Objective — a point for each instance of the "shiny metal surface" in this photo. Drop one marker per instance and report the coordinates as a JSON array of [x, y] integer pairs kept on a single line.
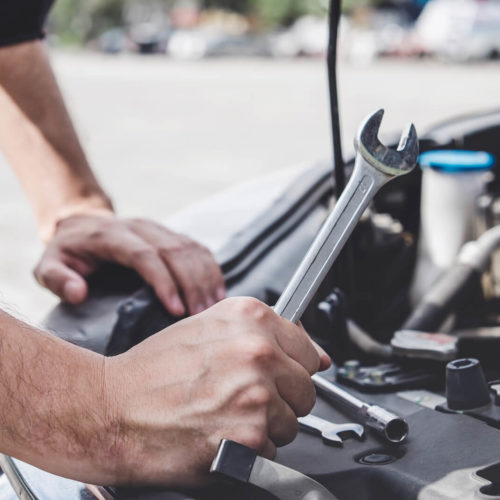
[[285, 483], [374, 166], [392, 427], [30, 483], [330, 432]]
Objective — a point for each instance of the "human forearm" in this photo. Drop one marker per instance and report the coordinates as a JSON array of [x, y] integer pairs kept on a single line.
[[40, 143], [39, 140], [156, 414], [54, 413]]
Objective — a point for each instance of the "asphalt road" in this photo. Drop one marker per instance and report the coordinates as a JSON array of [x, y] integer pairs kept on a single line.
[[162, 134]]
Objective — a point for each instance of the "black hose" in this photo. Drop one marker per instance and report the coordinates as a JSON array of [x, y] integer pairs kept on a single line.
[[345, 263], [338, 161]]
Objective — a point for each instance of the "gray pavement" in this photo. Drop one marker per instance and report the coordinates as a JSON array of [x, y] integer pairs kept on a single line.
[[162, 134]]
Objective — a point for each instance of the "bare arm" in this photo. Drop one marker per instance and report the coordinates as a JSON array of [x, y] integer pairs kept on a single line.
[[73, 212], [53, 398], [39, 141], [157, 413]]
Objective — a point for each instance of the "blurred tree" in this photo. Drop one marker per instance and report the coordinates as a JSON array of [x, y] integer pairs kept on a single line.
[[284, 12], [271, 12], [349, 5], [76, 21]]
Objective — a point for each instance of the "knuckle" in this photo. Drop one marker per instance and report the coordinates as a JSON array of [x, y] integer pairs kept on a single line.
[[255, 437], [259, 350], [101, 229], [167, 251], [176, 244], [257, 396], [143, 254], [252, 309], [97, 234]]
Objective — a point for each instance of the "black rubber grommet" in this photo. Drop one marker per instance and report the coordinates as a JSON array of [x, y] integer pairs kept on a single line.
[[377, 459]]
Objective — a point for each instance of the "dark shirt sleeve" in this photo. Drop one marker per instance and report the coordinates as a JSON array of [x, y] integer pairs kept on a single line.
[[22, 20]]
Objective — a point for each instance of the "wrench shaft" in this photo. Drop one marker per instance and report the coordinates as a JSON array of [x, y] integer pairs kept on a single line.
[[375, 165], [338, 394], [364, 183]]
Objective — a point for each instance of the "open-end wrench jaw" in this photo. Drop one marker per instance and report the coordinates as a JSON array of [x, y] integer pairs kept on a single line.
[[374, 166], [343, 432], [332, 434], [389, 161]]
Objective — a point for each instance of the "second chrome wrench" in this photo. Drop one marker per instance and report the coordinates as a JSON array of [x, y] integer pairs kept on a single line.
[[374, 166], [331, 433]]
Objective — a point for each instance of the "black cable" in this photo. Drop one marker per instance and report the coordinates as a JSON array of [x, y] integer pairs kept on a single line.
[[345, 265], [338, 161]]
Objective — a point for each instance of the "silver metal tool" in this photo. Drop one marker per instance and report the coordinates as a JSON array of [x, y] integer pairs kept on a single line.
[[240, 463], [394, 428], [331, 433], [375, 165]]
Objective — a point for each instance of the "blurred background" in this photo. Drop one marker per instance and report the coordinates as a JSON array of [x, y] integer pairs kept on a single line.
[[457, 30], [176, 101]]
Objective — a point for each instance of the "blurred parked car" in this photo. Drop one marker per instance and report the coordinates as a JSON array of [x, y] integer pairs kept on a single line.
[[383, 31], [150, 37], [200, 43], [113, 41], [459, 30], [307, 36]]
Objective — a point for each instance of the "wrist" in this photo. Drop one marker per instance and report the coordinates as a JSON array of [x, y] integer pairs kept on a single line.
[[95, 453], [60, 418], [118, 448], [95, 204]]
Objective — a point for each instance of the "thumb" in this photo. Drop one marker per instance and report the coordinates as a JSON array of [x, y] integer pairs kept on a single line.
[[63, 281]]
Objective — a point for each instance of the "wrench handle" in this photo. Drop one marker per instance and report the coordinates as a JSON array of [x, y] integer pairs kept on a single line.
[[365, 181], [392, 427]]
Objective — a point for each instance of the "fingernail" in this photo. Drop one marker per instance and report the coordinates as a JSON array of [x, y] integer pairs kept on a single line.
[[73, 292], [221, 293]]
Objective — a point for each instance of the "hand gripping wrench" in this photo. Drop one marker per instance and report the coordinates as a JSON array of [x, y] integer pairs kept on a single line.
[[375, 165], [330, 432]]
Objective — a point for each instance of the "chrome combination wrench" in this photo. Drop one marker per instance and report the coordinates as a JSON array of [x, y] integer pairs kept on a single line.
[[331, 433], [374, 166]]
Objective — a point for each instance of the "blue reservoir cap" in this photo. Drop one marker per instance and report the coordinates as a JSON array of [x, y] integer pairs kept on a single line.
[[456, 161]]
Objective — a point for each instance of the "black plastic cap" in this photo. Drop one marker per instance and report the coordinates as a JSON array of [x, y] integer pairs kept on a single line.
[[233, 461], [466, 386]]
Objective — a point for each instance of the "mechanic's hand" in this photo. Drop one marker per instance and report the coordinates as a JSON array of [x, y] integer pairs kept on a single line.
[[183, 273], [235, 371]]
